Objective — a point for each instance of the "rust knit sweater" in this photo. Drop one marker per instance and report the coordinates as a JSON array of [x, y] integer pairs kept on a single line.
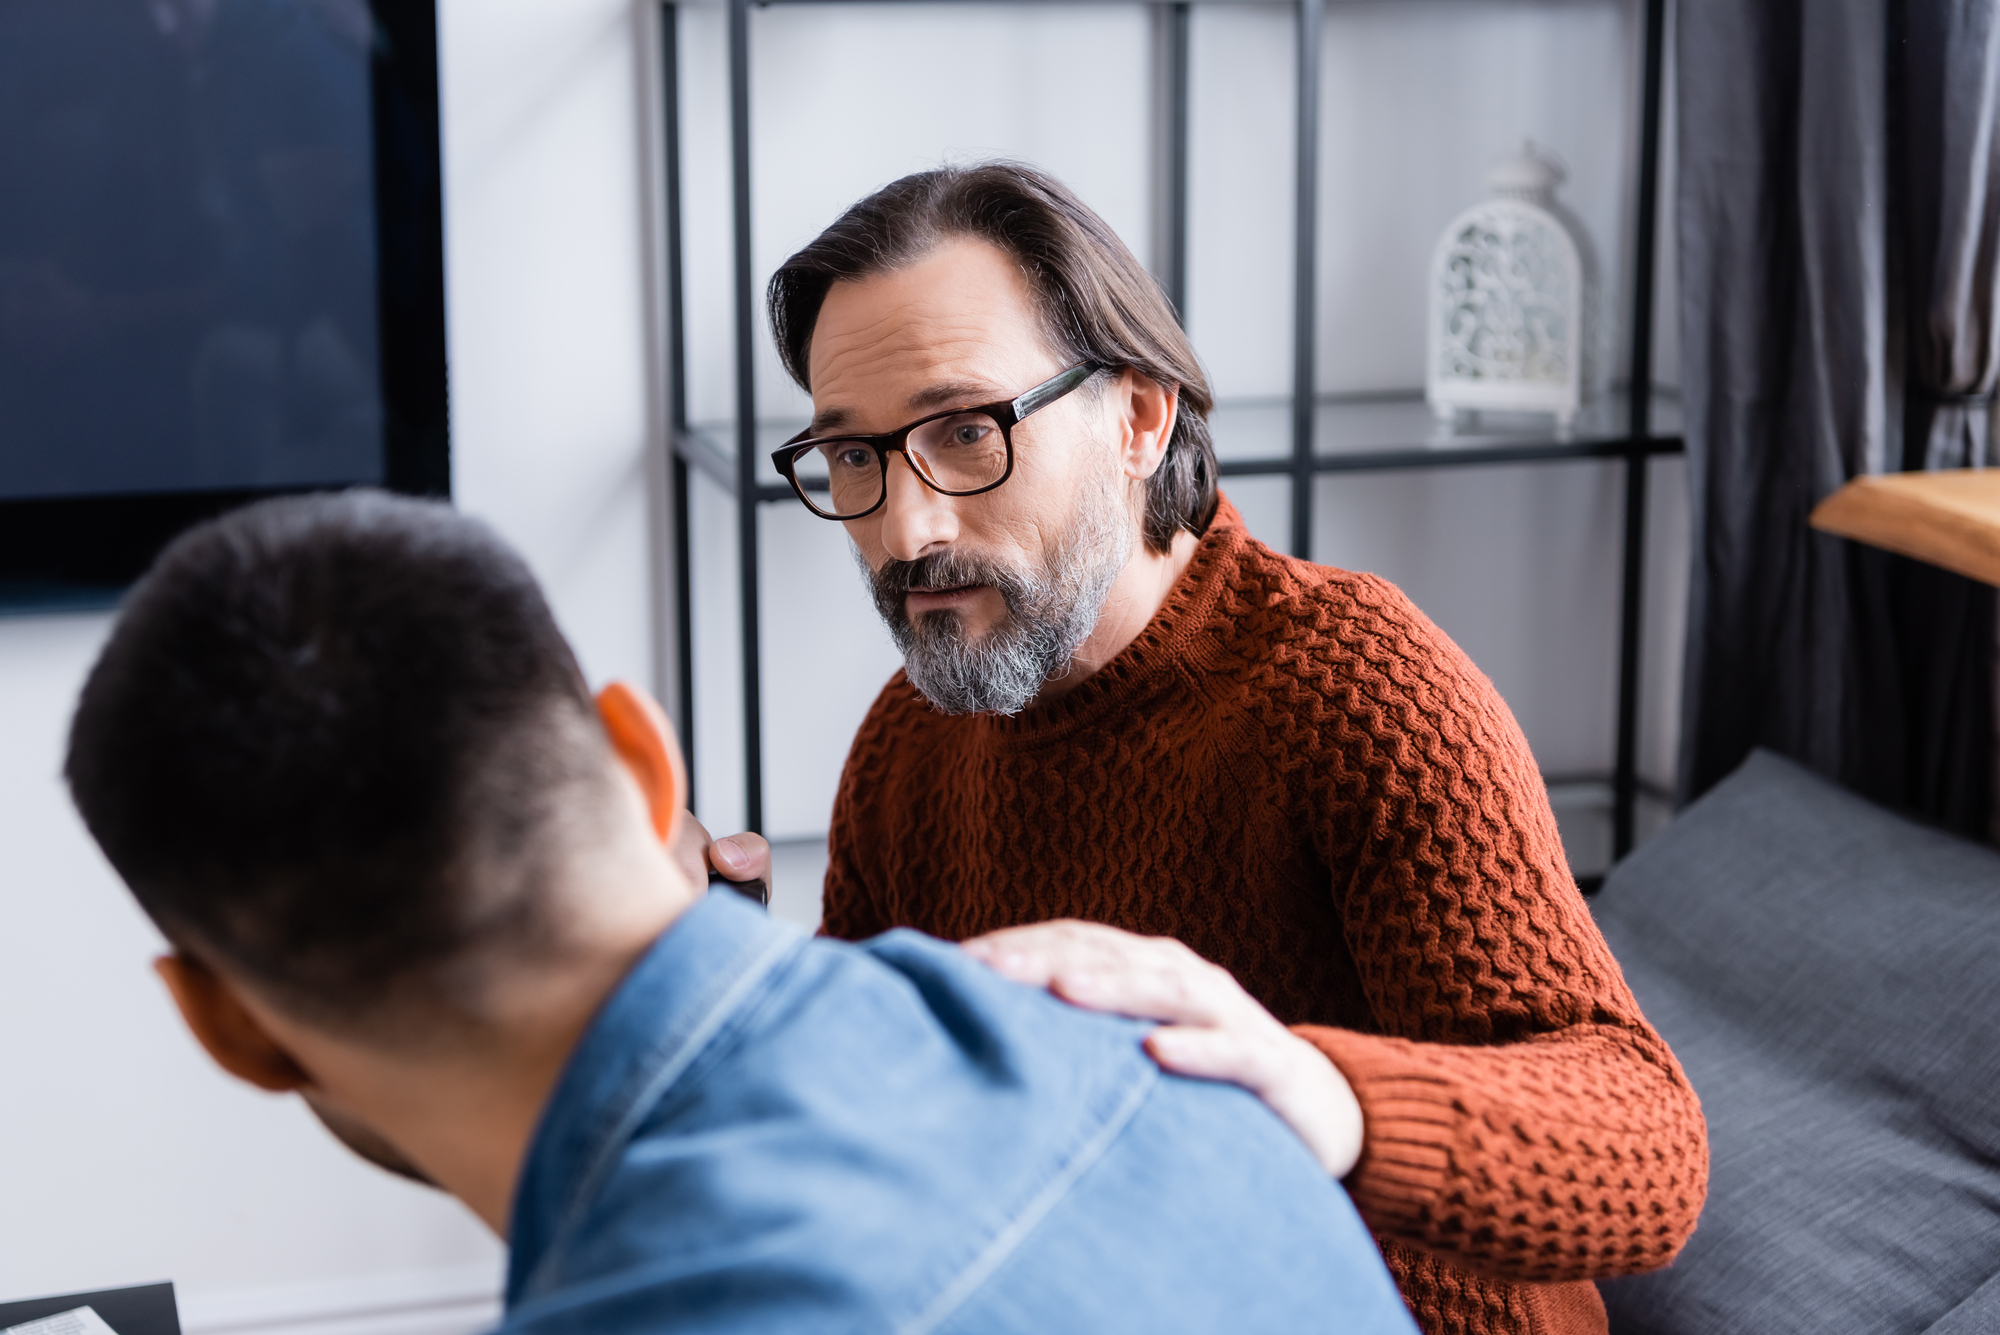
[[1297, 774]]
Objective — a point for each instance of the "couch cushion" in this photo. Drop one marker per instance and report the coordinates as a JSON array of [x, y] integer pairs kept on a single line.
[[1829, 975]]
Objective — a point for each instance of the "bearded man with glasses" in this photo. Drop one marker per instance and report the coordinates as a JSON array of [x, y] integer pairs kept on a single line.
[[1120, 714]]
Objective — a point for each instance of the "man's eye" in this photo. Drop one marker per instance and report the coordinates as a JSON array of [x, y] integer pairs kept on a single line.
[[968, 433], [853, 457]]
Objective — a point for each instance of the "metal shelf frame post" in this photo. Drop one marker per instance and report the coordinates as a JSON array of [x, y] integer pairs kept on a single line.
[[676, 376], [1173, 264], [1625, 766], [746, 416], [1305, 272], [1300, 466]]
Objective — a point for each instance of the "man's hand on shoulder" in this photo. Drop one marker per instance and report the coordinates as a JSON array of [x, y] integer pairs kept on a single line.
[[1211, 1028]]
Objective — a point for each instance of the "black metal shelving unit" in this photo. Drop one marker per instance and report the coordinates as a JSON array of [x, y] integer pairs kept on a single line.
[[1320, 433]]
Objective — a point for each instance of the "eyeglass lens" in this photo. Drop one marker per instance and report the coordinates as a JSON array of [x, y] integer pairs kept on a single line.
[[960, 453]]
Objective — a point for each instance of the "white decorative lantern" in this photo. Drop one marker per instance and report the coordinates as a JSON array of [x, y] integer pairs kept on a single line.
[[1510, 288]]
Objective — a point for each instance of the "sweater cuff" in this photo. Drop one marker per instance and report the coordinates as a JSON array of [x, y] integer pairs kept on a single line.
[[1411, 1116]]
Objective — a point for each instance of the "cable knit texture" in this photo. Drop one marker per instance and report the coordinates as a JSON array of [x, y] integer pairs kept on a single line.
[[1297, 774]]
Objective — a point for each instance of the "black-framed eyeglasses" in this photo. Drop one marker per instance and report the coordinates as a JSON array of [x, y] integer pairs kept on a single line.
[[958, 452]]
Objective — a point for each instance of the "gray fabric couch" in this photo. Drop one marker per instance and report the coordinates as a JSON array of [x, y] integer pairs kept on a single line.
[[1829, 975]]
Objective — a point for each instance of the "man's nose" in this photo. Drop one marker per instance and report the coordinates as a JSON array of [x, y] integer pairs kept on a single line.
[[915, 519]]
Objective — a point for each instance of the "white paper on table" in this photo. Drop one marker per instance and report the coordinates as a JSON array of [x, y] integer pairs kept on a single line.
[[76, 1321]]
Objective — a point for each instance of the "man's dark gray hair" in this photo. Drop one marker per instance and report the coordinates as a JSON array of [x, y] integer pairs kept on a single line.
[[1098, 302]]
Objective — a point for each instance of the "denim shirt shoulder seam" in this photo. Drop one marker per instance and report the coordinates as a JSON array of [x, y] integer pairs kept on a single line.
[[671, 1063], [1016, 1231]]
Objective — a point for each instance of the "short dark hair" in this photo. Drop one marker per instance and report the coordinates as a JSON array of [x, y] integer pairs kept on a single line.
[[324, 746], [1098, 302]]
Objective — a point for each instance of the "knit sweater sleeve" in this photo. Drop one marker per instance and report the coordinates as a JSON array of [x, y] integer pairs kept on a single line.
[[1521, 1117]]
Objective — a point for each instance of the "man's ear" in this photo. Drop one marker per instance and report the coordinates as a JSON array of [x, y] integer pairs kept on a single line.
[[226, 1028], [1150, 410], [645, 743]]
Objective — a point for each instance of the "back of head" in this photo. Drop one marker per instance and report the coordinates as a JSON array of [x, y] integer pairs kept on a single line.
[[1098, 302], [332, 746]]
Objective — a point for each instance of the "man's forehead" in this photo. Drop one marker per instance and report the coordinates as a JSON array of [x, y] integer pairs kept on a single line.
[[906, 344], [913, 346]]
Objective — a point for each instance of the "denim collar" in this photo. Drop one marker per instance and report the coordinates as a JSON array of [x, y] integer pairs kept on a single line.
[[684, 988]]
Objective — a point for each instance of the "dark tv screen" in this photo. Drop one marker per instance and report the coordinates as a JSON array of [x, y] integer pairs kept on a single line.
[[220, 267]]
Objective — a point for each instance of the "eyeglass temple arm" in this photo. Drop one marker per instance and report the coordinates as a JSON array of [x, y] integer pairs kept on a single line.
[[1050, 390]]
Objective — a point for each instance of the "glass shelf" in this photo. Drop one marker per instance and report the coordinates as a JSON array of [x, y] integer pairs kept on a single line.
[[711, 448], [1397, 429]]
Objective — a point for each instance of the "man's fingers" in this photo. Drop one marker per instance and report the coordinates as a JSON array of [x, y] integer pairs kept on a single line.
[[1064, 940], [1042, 951], [1173, 995], [1029, 967], [1035, 954], [1213, 1054], [742, 857], [1102, 968], [1124, 974]]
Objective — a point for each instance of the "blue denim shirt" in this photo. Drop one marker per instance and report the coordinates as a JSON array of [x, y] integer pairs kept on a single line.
[[765, 1132]]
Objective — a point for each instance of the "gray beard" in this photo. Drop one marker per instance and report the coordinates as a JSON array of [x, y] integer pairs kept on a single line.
[[1051, 610]]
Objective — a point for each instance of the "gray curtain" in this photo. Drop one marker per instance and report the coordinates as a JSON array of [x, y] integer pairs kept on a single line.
[[1839, 227]]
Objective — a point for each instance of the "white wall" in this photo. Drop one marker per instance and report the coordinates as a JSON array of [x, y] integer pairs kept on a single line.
[[1420, 99], [123, 1156]]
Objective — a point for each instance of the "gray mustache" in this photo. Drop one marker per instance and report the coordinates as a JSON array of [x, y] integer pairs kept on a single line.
[[942, 570]]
